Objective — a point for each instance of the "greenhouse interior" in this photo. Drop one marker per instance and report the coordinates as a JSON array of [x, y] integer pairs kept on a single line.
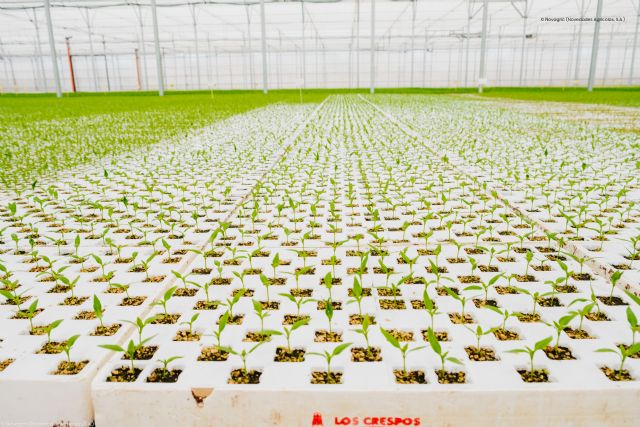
[[319, 213]]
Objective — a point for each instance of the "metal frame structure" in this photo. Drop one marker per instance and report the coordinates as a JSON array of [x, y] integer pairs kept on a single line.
[[423, 54]]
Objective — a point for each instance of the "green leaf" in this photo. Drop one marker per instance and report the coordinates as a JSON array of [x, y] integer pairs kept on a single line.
[[633, 349], [112, 347], [222, 323], [72, 340], [392, 340], [633, 297], [454, 360], [543, 343], [328, 280], [433, 341], [257, 305], [606, 350], [265, 280], [299, 323], [97, 305], [339, 349], [631, 317], [276, 260], [169, 293], [357, 288]]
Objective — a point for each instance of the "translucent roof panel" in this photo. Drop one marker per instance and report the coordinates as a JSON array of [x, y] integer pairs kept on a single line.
[[218, 44]]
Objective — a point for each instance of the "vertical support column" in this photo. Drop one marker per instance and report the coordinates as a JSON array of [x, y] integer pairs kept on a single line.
[[39, 51], [607, 61], [209, 59], [72, 73], [249, 48], [137, 60], [483, 47], [350, 62], [424, 57], [217, 67], [143, 49], [372, 87], [413, 34], [94, 71], [304, 47], [524, 38], [156, 42], [553, 61], [357, 43], [468, 41], [635, 46], [52, 48], [324, 65], [499, 76], [106, 64], [594, 48], [579, 43], [263, 30], [195, 38]]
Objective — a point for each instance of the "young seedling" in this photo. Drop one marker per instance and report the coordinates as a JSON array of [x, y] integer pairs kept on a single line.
[[358, 295], [431, 308], [623, 353], [183, 278], [533, 375], [460, 317], [244, 376], [122, 374], [163, 374], [263, 334], [298, 301], [557, 352], [164, 316], [68, 345], [614, 278], [404, 376], [328, 284], [231, 302], [289, 354], [478, 353], [501, 332], [266, 282], [31, 313], [329, 377], [445, 377], [535, 298], [189, 332], [140, 324], [368, 354], [484, 287], [632, 319], [98, 310]]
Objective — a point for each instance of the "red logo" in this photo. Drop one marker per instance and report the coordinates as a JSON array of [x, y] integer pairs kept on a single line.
[[317, 420]]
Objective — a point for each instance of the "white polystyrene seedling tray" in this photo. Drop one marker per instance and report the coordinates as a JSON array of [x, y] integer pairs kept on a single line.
[[578, 392], [28, 380]]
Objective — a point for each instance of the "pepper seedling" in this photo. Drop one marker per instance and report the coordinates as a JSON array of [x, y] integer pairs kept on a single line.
[[68, 345], [403, 348], [289, 331], [622, 352], [437, 349], [328, 357], [129, 351], [531, 352]]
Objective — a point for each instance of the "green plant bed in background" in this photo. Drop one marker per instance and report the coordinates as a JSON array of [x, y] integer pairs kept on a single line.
[[623, 96], [40, 134]]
